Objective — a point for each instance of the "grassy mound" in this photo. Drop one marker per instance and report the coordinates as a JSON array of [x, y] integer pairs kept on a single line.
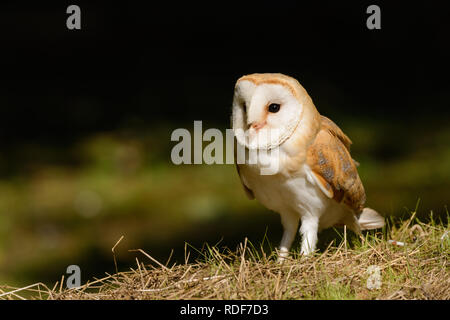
[[407, 260]]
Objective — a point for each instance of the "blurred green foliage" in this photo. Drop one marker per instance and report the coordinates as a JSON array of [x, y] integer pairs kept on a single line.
[[70, 204]]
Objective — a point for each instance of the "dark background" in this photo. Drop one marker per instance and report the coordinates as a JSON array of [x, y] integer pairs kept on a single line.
[[178, 62], [135, 72]]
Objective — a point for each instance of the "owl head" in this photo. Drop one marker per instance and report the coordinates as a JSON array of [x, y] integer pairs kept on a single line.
[[268, 108]]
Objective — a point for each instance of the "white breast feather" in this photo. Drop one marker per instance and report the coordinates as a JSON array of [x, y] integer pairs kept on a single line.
[[299, 194]]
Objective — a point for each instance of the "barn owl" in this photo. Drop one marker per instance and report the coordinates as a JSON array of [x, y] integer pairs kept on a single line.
[[317, 182]]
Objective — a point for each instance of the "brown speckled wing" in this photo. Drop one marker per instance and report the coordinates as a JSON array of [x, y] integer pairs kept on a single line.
[[332, 128], [333, 167]]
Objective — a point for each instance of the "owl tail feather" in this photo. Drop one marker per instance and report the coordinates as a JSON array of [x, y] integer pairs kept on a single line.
[[370, 219]]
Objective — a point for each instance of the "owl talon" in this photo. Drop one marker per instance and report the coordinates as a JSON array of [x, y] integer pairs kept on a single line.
[[284, 253]]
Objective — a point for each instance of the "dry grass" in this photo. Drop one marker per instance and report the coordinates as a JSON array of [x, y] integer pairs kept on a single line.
[[417, 270]]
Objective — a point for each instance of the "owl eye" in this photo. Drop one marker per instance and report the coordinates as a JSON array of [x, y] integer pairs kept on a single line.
[[274, 107]]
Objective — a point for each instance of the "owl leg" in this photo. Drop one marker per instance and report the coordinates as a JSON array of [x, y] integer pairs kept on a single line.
[[308, 230], [290, 225]]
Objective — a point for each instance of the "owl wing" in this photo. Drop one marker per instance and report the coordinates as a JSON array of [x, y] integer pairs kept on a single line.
[[247, 191], [333, 129], [333, 168]]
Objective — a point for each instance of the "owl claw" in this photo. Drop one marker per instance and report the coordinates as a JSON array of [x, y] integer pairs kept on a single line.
[[281, 260], [284, 253]]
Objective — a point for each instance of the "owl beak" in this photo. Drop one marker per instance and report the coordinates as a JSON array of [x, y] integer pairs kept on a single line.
[[257, 125]]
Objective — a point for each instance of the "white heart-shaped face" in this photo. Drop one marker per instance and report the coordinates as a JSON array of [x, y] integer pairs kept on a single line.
[[264, 115]]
